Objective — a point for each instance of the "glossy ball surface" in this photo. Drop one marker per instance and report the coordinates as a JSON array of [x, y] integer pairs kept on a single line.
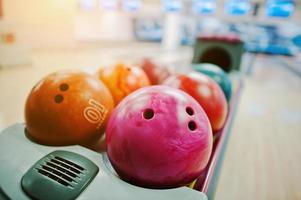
[[66, 108], [159, 137], [207, 92], [123, 80], [217, 74]]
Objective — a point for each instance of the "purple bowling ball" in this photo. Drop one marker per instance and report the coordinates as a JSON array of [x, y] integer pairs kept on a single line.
[[159, 137]]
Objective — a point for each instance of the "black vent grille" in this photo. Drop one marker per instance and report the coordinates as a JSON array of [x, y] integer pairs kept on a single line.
[[59, 175], [61, 170]]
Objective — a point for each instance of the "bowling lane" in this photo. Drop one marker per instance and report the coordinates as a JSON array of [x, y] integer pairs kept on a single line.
[[264, 153]]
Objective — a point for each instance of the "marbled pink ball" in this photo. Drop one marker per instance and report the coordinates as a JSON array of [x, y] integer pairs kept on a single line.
[[159, 137]]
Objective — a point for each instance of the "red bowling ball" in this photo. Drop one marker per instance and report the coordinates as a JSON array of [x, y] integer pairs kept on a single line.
[[159, 137], [155, 73], [67, 108], [207, 92]]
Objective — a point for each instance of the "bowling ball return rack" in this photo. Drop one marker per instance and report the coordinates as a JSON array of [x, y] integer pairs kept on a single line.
[[19, 154], [207, 181]]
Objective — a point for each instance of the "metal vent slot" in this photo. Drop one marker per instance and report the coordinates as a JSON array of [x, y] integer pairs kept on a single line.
[[61, 170], [54, 177], [59, 175], [70, 163], [55, 166], [65, 165]]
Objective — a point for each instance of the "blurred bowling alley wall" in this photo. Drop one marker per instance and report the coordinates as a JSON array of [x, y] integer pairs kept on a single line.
[[64, 23], [1, 9], [37, 23]]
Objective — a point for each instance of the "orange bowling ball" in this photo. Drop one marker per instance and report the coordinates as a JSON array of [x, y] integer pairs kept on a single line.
[[67, 108], [123, 80]]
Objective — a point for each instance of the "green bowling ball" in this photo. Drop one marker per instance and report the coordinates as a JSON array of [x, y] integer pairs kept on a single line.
[[217, 74]]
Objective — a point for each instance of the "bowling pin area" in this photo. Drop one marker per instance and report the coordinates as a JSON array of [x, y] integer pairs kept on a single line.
[[140, 99]]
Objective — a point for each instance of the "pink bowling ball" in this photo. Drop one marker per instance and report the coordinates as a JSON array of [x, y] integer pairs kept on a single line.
[[159, 137]]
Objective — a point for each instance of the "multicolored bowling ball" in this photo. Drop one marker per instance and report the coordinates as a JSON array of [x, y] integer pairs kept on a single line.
[[207, 92], [123, 80], [159, 137], [155, 73], [217, 74], [66, 108]]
